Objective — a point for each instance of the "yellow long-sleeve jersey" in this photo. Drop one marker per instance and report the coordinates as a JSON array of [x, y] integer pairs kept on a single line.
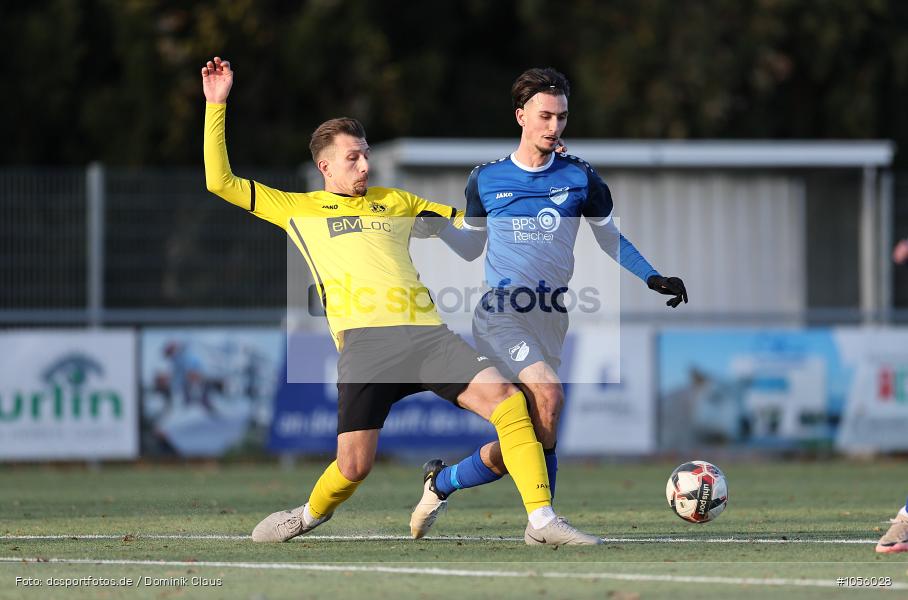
[[357, 248]]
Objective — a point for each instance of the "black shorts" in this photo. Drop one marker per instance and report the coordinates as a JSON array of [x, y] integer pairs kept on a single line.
[[380, 365]]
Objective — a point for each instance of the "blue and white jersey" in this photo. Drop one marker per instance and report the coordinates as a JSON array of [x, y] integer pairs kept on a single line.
[[531, 216]]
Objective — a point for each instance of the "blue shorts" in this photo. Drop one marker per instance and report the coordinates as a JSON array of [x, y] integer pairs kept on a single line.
[[514, 340]]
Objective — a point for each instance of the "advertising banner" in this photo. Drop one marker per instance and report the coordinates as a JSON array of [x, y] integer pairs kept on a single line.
[[68, 395], [610, 418], [208, 391], [843, 387], [604, 418], [876, 410]]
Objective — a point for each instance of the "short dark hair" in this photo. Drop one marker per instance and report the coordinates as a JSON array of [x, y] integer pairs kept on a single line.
[[324, 134], [536, 81]]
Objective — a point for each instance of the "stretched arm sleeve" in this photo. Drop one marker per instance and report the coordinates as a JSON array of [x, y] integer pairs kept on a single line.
[[452, 232], [598, 211], [264, 202], [424, 208], [621, 249], [467, 243]]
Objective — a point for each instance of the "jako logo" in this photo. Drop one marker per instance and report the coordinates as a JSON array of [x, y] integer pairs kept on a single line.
[[67, 394], [501, 195], [330, 206], [519, 351], [341, 225]]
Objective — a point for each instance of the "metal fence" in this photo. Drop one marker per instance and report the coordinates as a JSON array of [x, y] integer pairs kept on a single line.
[[104, 246], [120, 245], [43, 262]]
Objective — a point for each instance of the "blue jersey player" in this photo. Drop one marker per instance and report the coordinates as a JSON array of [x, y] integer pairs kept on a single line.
[[527, 207]]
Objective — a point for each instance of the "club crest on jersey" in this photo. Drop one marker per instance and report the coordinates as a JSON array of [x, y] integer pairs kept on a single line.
[[559, 194], [519, 351]]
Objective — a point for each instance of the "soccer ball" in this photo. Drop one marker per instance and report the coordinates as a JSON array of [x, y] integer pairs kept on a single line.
[[697, 491]]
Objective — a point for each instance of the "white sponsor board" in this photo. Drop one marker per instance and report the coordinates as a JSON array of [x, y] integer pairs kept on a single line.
[[68, 395], [876, 412], [610, 418]]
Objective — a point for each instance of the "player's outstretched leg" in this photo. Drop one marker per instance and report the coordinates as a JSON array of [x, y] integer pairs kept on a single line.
[[522, 455], [896, 539], [331, 489], [515, 430], [355, 457]]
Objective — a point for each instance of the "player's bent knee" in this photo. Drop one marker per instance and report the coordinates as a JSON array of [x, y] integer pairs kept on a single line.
[[355, 469], [505, 391], [487, 390], [494, 395]]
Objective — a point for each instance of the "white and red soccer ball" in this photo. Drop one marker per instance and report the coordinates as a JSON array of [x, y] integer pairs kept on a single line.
[[697, 491]]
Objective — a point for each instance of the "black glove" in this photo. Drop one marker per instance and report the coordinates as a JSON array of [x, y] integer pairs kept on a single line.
[[670, 286]]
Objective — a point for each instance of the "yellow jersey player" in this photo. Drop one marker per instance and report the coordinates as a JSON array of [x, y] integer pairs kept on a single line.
[[355, 241]]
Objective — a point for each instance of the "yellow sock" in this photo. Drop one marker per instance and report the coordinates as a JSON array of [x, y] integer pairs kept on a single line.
[[521, 451], [331, 489]]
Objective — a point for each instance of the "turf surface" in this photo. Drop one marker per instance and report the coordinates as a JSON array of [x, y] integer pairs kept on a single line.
[[797, 523]]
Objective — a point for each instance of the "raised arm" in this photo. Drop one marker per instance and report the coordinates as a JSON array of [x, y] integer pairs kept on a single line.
[[273, 205], [217, 79]]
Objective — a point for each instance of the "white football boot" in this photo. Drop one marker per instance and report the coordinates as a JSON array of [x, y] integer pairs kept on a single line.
[[286, 524], [432, 503], [896, 539], [558, 533]]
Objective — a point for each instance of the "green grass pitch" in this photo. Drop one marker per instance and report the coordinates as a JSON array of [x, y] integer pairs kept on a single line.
[[796, 528]]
